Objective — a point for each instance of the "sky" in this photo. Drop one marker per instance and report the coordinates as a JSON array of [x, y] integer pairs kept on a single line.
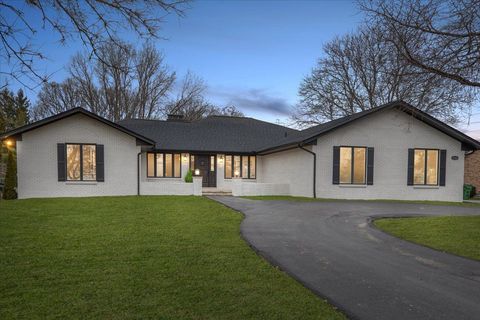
[[252, 54]]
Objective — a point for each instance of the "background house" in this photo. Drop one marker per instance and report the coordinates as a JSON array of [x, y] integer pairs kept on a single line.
[[472, 170]]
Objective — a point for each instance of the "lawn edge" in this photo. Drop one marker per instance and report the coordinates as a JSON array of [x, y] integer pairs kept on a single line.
[[371, 224], [277, 265], [419, 202]]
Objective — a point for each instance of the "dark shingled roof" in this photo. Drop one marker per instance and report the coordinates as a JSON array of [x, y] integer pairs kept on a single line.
[[212, 134], [238, 134]]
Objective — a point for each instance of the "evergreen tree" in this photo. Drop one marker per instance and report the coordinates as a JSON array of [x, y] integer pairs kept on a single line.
[[9, 190], [22, 106], [13, 110]]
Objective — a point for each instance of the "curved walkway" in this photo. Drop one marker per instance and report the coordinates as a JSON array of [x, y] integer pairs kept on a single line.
[[331, 248]]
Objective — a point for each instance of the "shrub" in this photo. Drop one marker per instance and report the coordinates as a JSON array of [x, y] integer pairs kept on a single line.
[[189, 176], [9, 190]]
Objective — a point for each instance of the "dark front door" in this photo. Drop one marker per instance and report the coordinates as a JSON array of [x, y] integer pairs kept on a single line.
[[207, 165]]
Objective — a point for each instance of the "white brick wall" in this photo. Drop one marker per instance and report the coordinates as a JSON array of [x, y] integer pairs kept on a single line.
[[293, 167], [242, 187], [165, 186], [37, 159], [391, 133]]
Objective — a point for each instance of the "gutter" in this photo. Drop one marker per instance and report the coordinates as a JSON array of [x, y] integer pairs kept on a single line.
[[314, 169], [138, 172]]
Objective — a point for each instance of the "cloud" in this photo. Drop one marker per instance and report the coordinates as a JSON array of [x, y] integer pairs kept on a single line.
[[257, 100]]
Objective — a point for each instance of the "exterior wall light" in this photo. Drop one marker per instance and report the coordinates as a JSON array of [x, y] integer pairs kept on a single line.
[[197, 172], [185, 157], [220, 159], [236, 174], [9, 143]]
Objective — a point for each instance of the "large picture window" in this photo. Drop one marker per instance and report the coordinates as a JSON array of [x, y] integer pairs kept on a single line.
[[237, 166], [81, 162], [353, 165], [425, 170], [164, 165]]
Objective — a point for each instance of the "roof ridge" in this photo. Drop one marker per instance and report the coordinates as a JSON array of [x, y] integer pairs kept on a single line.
[[254, 119]]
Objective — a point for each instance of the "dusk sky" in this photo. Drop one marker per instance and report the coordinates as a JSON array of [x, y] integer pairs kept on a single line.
[[251, 54]]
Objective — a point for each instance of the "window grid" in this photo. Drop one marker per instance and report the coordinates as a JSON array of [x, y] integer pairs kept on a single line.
[[175, 168], [80, 145], [245, 163], [426, 152], [352, 165]]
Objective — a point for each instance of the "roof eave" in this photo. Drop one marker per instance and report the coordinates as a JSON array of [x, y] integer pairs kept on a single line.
[[69, 113]]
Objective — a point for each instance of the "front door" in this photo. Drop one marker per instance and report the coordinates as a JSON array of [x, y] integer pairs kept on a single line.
[[207, 165]]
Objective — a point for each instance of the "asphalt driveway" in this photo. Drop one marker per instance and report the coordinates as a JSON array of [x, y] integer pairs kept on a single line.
[[332, 249]]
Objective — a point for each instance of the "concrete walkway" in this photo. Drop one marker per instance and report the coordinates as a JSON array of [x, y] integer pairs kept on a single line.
[[332, 249]]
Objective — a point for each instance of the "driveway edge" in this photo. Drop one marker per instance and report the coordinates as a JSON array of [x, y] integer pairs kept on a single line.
[[372, 219], [274, 263]]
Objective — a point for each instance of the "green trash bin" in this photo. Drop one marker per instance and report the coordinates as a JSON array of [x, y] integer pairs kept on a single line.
[[467, 191]]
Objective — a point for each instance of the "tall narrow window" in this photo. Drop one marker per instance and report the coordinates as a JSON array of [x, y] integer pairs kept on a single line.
[[253, 167], [245, 167], [177, 165], [81, 162], [159, 165], [73, 162], [150, 164], [425, 170], [352, 165], [236, 166], [89, 162], [419, 168], [192, 162], [212, 163], [345, 165], [432, 167], [228, 167], [168, 165], [359, 165]]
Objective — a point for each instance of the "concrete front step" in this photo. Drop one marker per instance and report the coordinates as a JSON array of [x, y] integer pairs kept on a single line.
[[216, 193]]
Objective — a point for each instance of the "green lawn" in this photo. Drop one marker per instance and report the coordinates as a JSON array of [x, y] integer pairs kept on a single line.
[[139, 257], [458, 235], [306, 199]]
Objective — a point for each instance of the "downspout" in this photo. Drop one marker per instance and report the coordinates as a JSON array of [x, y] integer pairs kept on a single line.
[[138, 172], [314, 169]]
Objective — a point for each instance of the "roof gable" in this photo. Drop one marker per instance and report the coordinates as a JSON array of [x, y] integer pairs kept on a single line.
[[69, 113], [307, 135]]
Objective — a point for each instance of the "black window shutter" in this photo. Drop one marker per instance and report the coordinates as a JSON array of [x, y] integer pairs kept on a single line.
[[100, 163], [443, 166], [336, 165], [411, 160], [370, 159], [61, 165]]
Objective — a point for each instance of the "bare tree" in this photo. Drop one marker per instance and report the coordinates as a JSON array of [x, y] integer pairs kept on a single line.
[[124, 83], [229, 111], [362, 71], [57, 97], [190, 100], [93, 22], [440, 37]]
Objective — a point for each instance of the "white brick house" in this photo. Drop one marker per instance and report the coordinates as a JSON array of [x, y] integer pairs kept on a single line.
[[391, 152]]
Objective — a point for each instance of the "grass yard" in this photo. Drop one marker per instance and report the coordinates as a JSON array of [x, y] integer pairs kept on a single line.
[[307, 199], [458, 235], [139, 257]]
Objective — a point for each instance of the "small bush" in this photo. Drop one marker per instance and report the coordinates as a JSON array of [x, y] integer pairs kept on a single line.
[[9, 191], [189, 177]]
